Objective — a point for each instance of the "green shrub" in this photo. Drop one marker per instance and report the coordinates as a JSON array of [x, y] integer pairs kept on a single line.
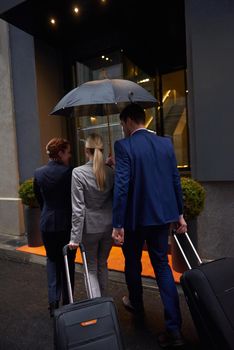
[[194, 197], [27, 194]]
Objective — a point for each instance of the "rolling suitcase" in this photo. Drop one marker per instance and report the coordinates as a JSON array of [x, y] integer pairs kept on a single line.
[[90, 324], [209, 292]]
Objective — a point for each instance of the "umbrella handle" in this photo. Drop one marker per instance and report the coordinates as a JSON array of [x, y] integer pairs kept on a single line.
[[110, 148], [109, 135]]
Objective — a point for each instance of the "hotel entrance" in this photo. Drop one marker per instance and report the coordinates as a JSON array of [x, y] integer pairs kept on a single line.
[[56, 68], [168, 118]]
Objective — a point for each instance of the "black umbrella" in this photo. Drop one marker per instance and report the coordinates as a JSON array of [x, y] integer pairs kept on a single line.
[[102, 98]]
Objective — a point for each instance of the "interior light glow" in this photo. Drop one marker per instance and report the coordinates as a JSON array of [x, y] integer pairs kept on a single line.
[[182, 166], [76, 10], [107, 58], [52, 21], [103, 57], [166, 95], [143, 81], [149, 121]]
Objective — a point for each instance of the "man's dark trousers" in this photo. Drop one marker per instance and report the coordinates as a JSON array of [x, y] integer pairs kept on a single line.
[[156, 238]]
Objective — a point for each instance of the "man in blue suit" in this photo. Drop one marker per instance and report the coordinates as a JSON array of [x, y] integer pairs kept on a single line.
[[147, 199]]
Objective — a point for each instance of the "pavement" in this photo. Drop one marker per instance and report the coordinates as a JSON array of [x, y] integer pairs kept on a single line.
[[25, 322]]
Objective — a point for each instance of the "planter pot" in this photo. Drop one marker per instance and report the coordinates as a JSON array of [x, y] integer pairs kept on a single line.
[[32, 223], [178, 262]]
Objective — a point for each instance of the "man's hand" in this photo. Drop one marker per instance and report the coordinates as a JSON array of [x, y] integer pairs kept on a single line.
[[181, 226], [73, 245], [118, 235]]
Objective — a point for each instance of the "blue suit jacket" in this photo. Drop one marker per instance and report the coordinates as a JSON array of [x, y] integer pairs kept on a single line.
[[147, 183], [52, 187]]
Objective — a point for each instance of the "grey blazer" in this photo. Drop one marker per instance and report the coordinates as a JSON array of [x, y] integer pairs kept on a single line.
[[91, 208]]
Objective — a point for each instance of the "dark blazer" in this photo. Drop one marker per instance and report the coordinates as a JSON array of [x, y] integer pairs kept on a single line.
[[147, 183], [52, 187]]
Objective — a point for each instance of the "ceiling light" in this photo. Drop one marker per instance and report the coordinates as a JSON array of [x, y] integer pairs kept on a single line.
[[52, 21], [143, 81], [76, 10]]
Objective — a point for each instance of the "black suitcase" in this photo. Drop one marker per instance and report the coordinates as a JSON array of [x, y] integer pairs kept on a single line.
[[90, 324], [209, 292]]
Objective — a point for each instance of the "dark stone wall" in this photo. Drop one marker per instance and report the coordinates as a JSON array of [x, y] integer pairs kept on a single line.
[[210, 57], [216, 222], [210, 74], [25, 101]]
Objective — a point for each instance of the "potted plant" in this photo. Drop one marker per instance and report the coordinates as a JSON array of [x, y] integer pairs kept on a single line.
[[193, 196], [32, 213], [194, 200]]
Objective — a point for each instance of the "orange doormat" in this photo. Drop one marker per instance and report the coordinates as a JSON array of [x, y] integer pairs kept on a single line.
[[115, 261]]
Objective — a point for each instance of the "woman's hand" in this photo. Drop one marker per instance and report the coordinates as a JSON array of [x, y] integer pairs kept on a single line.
[[73, 245]]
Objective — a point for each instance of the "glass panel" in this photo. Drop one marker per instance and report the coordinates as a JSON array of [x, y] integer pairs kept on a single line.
[[108, 127], [175, 114], [110, 133]]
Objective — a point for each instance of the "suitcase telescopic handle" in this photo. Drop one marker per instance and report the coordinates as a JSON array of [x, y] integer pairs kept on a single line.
[[183, 252], [86, 272]]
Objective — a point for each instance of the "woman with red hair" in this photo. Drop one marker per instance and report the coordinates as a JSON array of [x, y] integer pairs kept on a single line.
[[52, 187]]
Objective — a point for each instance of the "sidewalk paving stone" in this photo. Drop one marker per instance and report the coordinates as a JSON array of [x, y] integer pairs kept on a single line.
[[25, 322]]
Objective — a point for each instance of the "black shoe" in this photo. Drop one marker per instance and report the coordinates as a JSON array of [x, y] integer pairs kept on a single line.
[[127, 304], [139, 311], [52, 306], [171, 339]]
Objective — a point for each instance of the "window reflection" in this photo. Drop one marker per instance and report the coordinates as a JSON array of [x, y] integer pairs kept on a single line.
[[175, 114]]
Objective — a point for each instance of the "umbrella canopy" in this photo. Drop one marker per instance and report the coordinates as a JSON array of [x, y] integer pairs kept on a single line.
[[103, 97]]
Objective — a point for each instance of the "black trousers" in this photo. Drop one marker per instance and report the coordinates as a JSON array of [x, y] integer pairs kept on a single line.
[[156, 238], [56, 275]]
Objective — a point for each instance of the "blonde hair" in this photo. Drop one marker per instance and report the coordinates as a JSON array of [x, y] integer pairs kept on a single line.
[[94, 143]]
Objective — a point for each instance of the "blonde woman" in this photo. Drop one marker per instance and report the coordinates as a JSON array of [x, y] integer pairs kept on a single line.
[[92, 189]]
